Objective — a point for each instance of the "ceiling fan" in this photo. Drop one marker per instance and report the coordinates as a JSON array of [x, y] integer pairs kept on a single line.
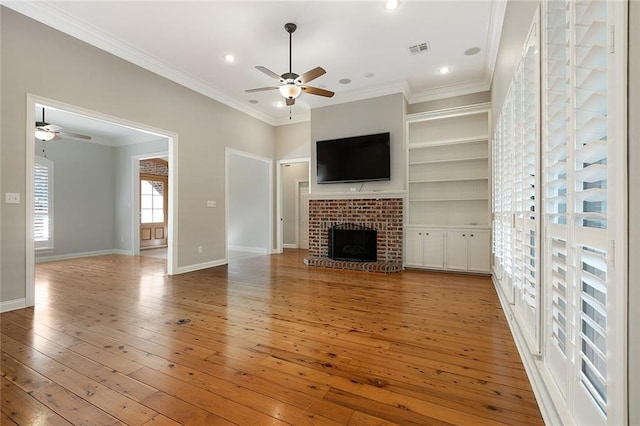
[[292, 84], [46, 131]]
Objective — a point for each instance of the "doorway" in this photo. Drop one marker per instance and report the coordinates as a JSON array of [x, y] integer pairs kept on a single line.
[[113, 203], [293, 197], [249, 204], [154, 196]]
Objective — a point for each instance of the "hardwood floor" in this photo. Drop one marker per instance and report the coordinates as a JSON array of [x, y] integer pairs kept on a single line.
[[269, 341]]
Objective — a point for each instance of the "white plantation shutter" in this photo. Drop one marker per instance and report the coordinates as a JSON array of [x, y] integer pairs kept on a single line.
[[43, 203], [581, 73]]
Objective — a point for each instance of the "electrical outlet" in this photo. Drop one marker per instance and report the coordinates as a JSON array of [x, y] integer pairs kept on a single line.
[[12, 198], [199, 249], [211, 204]]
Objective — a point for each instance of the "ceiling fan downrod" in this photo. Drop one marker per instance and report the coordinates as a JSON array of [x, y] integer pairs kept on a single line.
[[290, 28]]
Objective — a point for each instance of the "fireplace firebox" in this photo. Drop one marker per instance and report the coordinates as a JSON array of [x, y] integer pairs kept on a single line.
[[353, 242]]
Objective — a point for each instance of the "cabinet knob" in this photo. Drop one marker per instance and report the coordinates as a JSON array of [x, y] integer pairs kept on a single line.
[[464, 235], [419, 233], [472, 235], [426, 233]]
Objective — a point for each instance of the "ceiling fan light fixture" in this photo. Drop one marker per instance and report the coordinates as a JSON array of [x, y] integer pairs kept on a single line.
[[391, 4], [44, 135], [290, 90]]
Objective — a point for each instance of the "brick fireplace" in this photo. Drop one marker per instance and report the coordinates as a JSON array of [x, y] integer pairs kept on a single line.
[[385, 215]]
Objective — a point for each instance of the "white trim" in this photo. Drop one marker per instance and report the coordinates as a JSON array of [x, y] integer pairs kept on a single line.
[[357, 195], [12, 305], [290, 246], [542, 383], [44, 259], [270, 235], [279, 228], [298, 184], [199, 266], [61, 21], [261, 250], [54, 18], [31, 101], [449, 112]]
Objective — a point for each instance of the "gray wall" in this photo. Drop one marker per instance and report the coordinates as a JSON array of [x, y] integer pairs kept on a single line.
[[114, 87], [248, 203], [376, 115], [83, 196], [634, 213], [125, 212], [289, 175], [293, 141]]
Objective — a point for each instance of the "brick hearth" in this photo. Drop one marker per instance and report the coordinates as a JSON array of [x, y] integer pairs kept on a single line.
[[382, 214]]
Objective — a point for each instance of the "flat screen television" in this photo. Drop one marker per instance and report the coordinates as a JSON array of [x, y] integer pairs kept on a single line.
[[354, 159]]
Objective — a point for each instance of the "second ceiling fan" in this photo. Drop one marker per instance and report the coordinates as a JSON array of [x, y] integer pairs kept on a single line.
[[292, 84]]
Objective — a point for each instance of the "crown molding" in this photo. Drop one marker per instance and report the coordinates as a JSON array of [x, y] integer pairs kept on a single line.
[[449, 91], [496, 20], [53, 18]]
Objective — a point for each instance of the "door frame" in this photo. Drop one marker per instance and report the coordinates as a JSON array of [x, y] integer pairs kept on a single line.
[[172, 138], [136, 158], [231, 151], [298, 184], [279, 200]]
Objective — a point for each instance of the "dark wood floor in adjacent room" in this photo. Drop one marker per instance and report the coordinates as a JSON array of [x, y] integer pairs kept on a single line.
[[269, 341]]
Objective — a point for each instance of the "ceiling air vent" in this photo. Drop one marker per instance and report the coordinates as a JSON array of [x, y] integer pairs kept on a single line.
[[419, 48]]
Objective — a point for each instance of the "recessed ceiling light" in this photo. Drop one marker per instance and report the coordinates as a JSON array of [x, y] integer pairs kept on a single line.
[[230, 58], [391, 4], [253, 101], [445, 70], [369, 75], [344, 81], [472, 51]]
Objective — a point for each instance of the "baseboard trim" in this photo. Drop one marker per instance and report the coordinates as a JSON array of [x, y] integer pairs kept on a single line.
[[292, 246], [199, 266], [42, 259], [260, 250], [12, 305], [544, 388]]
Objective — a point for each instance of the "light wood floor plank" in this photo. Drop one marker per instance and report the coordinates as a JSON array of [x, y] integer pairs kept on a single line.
[[270, 341]]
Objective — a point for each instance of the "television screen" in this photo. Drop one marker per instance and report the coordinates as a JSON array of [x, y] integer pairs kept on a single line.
[[354, 159]]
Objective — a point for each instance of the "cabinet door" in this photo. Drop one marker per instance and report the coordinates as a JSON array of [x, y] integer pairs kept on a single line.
[[478, 251], [414, 247], [433, 247], [457, 250]]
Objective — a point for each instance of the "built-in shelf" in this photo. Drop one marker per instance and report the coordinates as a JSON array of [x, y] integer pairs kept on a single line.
[[448, 167]]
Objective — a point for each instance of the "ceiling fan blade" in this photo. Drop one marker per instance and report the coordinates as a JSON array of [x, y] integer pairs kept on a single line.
[[290, 102], [262, 89], [317, 91], [270, 73], [311, 75], [74, 135]]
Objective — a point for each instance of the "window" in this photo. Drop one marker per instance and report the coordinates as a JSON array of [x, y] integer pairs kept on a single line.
[[43, 204], [151, 201]]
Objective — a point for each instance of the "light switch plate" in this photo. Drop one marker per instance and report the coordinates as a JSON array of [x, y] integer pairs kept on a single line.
[[12, 198]]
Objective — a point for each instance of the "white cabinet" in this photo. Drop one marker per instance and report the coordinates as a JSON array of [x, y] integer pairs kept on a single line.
[[468, 250], [448, 249], [425, 248]]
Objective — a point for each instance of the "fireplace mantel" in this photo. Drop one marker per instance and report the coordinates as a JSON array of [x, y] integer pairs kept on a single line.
[[357, 195]]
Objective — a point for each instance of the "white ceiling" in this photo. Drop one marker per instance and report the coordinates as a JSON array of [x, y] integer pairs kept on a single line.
[[355, 40]]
